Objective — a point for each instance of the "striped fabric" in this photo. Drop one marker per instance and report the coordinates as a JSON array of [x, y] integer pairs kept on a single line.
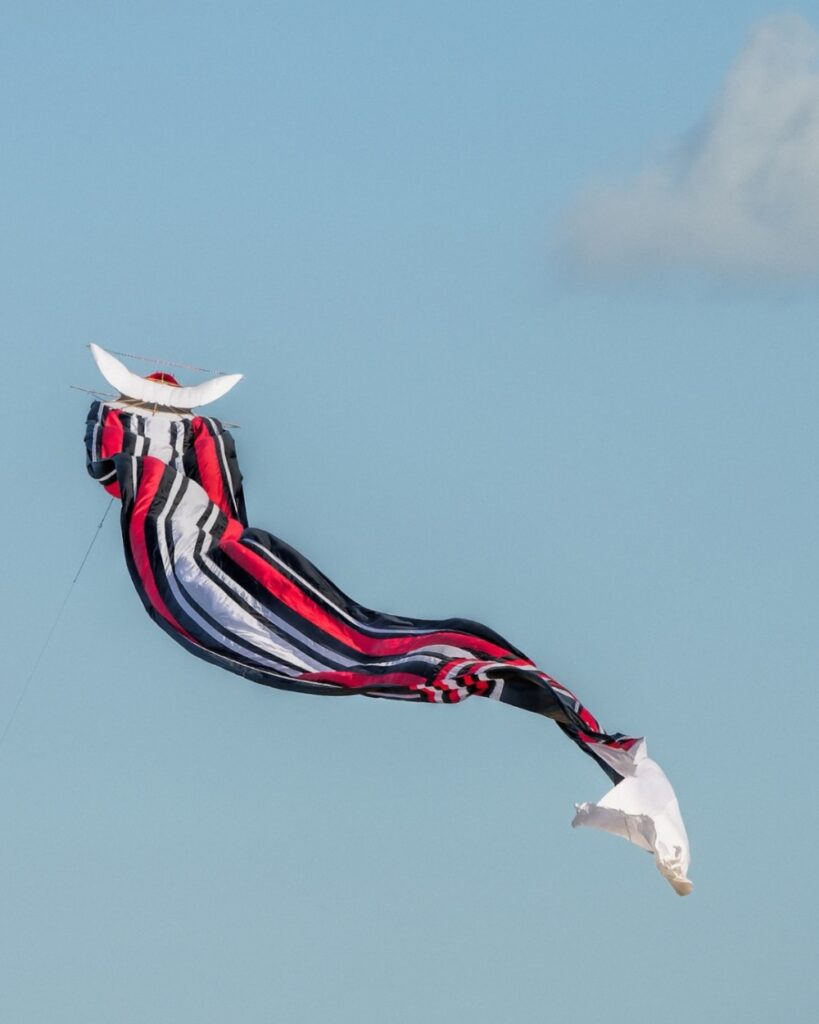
[[242, 599]]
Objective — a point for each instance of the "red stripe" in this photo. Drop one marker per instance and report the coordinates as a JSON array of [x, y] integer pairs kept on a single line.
[[112, 435], [148, 485], [111, 444], [595, 741], [360, 680], [290, 594], [209, 464], [588, 719], [447, 667]]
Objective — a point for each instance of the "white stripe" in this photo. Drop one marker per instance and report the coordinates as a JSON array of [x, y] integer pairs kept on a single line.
[[189, 570]]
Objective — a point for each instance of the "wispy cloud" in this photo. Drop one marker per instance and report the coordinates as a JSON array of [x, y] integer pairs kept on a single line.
[[740, 197]]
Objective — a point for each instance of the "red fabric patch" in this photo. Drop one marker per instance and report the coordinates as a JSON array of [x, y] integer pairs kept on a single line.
[[360, 680], [111, 444], [207, 461]]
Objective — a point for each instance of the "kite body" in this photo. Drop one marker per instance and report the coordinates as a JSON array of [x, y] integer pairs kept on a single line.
[[242, 599]]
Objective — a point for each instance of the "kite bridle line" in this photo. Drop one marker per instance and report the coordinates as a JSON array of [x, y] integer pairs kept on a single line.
[[93, 391], [54, 625], [163, 362]]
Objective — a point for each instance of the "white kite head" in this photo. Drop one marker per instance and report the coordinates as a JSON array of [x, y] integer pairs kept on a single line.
[[159, 389]]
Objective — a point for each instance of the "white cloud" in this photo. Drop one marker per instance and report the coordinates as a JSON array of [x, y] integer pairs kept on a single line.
[[741, 197]]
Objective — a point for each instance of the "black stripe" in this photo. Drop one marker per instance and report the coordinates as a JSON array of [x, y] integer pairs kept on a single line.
[[231, 467], [366, 620]]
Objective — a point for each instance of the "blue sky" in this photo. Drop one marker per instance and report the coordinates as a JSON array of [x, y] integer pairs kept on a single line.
[[454, 406]]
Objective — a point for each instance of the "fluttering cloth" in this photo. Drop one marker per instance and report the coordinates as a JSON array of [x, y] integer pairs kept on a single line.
[[242, 599]]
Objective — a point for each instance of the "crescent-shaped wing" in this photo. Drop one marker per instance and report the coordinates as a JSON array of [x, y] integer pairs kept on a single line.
[[154, 392]]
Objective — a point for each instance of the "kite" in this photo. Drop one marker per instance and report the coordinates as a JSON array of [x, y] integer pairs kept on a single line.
[[241, 598]]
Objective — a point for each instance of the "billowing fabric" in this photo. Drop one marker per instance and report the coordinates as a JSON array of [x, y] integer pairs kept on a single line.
[[242, 599]]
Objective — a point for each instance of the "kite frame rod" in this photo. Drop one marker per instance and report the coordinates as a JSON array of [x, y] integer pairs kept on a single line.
[[133, 404]]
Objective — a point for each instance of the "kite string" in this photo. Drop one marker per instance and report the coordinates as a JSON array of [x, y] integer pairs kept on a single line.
[[54, 624], [164, 362]]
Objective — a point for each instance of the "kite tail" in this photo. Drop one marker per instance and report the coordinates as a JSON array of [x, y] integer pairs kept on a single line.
[[241, 598], [641, 807]]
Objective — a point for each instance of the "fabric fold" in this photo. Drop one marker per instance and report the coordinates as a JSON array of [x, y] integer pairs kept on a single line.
[[241, 598], [643, 809]]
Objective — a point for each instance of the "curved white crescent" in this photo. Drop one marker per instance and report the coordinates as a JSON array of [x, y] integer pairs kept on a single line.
[[154, 392]]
